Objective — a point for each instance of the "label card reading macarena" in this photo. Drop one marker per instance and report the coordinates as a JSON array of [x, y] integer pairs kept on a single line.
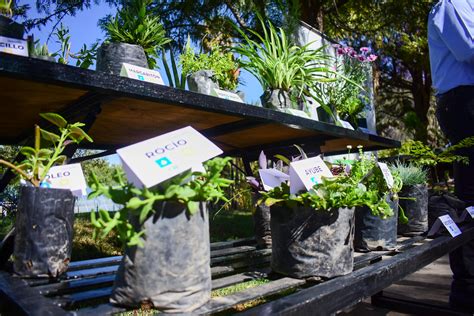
[[447, 222], [66, 177], [155, 160], [272, 178], [140, 73], [304, 174]]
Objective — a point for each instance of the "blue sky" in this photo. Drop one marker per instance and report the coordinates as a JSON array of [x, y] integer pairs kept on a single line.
[[84, 30]]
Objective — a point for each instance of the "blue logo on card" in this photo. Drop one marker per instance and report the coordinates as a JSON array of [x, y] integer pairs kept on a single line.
[[140, 77], [163, 162], [313, 179]]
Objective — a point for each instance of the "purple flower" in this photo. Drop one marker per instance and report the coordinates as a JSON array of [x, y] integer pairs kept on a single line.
[[361, 58], [372, 57], [364, 49], [341, 51], [353, 53]]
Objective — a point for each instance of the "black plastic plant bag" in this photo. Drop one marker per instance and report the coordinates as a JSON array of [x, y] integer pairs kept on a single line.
[[263, 234], [373, 232], [312, 243], [415, 208], [110, 57], [172, 271], [43, 232]]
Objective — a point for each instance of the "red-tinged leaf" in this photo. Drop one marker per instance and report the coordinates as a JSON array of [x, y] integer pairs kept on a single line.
[[55, 119]]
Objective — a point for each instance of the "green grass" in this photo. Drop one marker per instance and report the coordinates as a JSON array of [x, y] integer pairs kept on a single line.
[[6, 224], [227, 225], [238, 287]]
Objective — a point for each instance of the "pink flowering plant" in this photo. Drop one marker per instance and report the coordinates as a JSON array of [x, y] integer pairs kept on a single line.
[[348, 96]]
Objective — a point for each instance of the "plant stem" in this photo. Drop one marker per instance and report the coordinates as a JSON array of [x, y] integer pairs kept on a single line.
[[37, 149], [19, 171], [58, 148]]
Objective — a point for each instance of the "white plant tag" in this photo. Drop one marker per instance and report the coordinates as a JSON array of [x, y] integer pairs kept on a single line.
[[304, 174], [140, 73], [155, 160], [387, 175], [227, 95], [272, 178], [13, 46], [346, 124], [66, 177], [448, 223]]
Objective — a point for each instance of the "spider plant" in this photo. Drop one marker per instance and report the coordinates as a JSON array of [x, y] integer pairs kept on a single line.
[[135, 24], [277, 63]]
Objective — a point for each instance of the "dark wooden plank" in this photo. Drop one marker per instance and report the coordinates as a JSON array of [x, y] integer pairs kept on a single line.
[[102, 309], [231, 251], [239, 278], [233, 243], [219, 304], [94, 263], [75, 285], [242, 256], [334, 295], [17, 298]]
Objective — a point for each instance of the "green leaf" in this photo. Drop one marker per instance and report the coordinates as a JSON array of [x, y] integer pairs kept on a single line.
[[55, 119], [48, 136], [135, 203], [193, 207], [45, 153], [26, 150], [79, 133]]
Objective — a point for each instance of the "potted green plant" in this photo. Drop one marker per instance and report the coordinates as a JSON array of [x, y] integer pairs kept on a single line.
[[166, 233], [312, 231], [347, 97], [45, 216], [206, 71], [134, 36], [413, 197], [288, 73], [41, 52], [8, 27]]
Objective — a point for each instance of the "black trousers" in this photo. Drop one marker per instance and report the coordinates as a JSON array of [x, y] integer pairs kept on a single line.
[[455, 115]]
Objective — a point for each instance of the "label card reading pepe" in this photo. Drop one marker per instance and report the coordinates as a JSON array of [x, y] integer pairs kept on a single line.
[[66, 177], [140, 73], [387, 175], [155, 160], [448, 223], [272, 178], [304, 174], [13, 46], [226, 95]]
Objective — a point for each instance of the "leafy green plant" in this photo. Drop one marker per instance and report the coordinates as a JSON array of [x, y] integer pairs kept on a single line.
[[84, 58], [222, 63], [175, 79], [5, 8], [39, 50], [135, 24], [409, 173], [39, 159], [359, 183], [279, 64], [188, 188]]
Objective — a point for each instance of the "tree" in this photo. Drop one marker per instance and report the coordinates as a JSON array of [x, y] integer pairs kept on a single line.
[[104, 170]]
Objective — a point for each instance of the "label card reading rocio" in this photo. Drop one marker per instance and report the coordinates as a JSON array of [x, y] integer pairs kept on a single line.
[[226, 95], [13, 46], [387, 175], [157, 159], [304, 174], [450, 225], [66, 177], [272, 178], [140, 73]]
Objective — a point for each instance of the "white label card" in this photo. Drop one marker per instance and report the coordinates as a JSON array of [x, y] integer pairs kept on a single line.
[[346, 124], [226, 95], [470, 210], [272, 178], [13, 46], [297, 113], [155, 160], [450, 225], [387, 175], [66, 177], [304, 174], [140, 73]]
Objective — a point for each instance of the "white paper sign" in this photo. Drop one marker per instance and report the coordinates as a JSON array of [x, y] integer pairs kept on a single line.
[[226, 95], [13, 46], [66, 177], [297, 113], [157, 159], [272, 178], [470, 210], [447, 222], [304, 174], [387, 175], [346, 124], [140, 73]]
